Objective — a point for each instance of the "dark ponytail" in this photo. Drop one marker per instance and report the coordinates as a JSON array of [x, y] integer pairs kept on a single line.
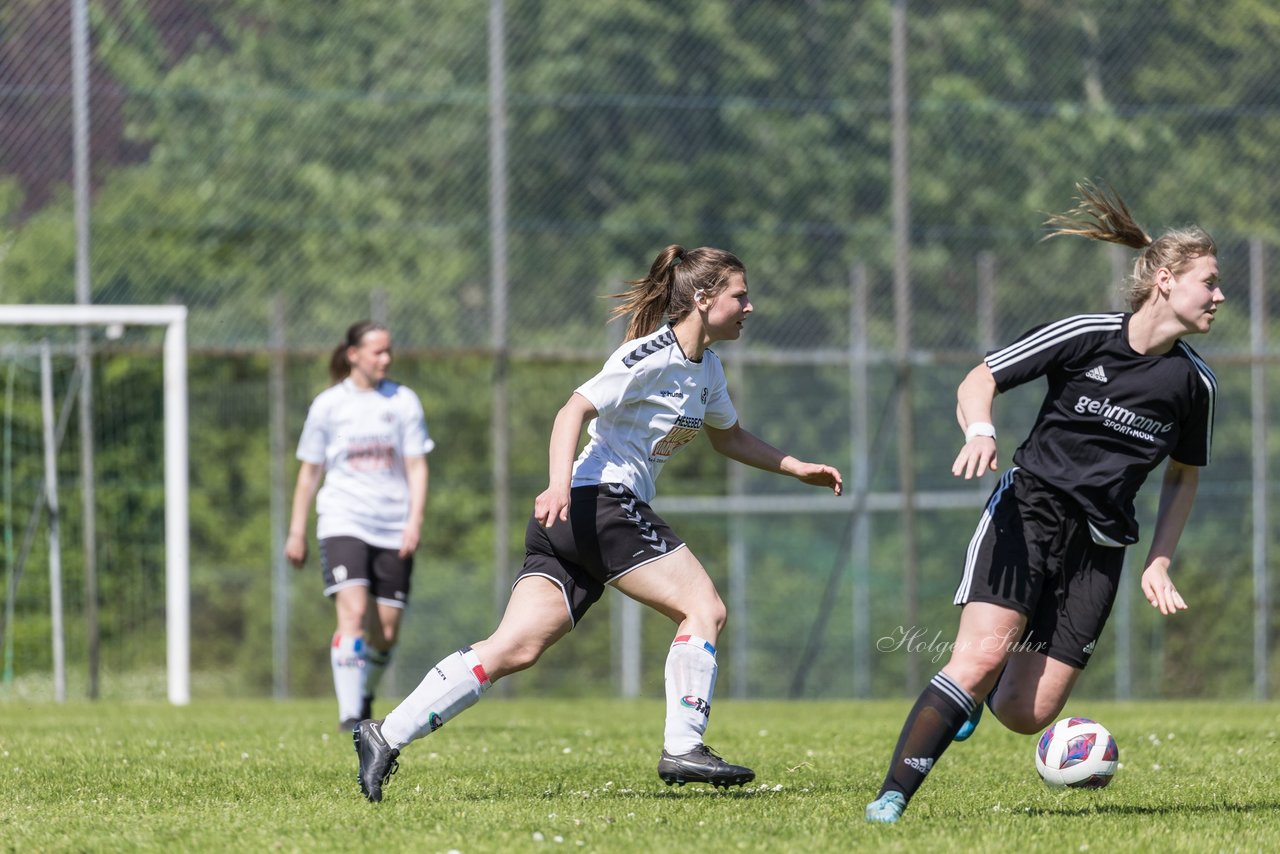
[[339, 367], [667, 293]]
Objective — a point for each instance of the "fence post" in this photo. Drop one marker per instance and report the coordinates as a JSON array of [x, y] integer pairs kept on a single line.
[[1123, 609], [901, 157], [55, 545], [500, 433], [739, 561], [1258, 398], [858, 417], [277, 425]]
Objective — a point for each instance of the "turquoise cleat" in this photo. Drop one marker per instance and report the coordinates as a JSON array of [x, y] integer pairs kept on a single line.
[[887, 808]]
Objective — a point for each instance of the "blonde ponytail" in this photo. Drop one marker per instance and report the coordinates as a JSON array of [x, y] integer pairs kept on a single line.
[[1102, 215]]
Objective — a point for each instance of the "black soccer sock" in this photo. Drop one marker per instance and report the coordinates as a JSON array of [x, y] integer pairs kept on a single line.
[[928, 731]]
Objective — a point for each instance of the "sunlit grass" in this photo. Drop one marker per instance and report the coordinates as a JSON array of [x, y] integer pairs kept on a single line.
[[533, 775]]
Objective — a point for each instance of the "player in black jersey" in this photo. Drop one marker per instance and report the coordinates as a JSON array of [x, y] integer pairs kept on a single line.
[[1040, 575]]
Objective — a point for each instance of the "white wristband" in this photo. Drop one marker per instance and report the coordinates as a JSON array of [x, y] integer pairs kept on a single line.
[[979, 428]]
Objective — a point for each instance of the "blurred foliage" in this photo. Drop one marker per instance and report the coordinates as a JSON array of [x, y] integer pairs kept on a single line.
[[336, 157]]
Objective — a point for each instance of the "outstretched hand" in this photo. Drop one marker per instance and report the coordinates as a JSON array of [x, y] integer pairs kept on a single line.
[[975, 458], [1158, 587], [815, 474]]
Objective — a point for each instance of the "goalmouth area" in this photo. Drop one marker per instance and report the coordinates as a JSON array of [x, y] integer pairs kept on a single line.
[[173, 318]]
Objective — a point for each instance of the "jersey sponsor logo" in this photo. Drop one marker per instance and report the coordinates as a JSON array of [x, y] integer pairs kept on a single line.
[[921, 764], [697, 704], [370, 453], [685, 431], [1121, 419], [1096, 373]]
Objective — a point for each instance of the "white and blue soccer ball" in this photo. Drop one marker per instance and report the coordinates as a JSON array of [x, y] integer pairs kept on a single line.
[[1077, 753]]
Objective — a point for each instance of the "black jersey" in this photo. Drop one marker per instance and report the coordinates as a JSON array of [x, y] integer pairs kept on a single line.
[[1110, 416]]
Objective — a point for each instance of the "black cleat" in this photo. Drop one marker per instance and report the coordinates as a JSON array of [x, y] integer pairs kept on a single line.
[[366, 708], [377, 758], [348, 724], [702, 765]]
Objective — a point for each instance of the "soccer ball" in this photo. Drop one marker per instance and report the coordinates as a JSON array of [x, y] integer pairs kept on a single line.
[[1077, 753]]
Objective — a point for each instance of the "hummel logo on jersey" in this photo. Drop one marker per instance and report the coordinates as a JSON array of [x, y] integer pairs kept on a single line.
[[922, 765], [1096, 373]]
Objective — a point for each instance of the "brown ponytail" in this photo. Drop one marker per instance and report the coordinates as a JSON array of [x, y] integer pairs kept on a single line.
[[667, 293], [339, 367]]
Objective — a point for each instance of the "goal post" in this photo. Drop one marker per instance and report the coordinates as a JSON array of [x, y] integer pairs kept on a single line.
[[176, 516]]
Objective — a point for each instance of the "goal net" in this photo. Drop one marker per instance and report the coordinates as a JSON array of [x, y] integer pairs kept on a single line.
[[93, 502]]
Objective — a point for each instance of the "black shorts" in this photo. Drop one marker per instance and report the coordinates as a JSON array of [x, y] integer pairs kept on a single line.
[[351, 562], [610, 532], [1033, 552]]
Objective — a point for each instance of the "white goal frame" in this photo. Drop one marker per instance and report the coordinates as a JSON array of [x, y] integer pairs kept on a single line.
[[177, 534]]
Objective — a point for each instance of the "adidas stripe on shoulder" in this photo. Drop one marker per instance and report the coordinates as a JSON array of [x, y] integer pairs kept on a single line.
[[1202, 366], [1053, 334], [1210, 383]]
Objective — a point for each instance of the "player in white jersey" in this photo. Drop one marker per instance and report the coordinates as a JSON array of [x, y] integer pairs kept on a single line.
[[1125, 392], [366, 437], [593, 525]]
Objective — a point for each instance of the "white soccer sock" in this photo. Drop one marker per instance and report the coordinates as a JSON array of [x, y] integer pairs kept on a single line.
[[450, 688], [375, 664], [348, 674], [691, 680]]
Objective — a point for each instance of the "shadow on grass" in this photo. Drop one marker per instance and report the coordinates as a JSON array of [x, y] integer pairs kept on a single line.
[[620, 795], [1168, 809]]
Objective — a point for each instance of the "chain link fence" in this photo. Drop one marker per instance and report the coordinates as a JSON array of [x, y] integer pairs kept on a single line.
[[480, 175]]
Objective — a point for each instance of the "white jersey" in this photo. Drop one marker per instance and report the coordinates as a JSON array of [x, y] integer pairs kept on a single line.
[[651, 401], [361, 437]]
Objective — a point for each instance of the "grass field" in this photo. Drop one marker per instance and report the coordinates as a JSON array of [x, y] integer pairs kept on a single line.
[[524, 775]]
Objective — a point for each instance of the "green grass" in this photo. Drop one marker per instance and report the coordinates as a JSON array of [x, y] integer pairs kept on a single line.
[[526, 775]]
